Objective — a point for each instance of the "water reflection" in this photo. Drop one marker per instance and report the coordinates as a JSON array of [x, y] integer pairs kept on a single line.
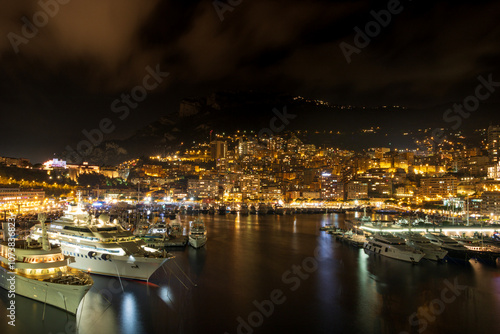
[[130, 314]]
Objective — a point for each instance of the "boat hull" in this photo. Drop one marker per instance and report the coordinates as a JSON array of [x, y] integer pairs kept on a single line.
[[433, 254], [136, 268], [64, 296], [430, 252], [412, 257], [197, 242]]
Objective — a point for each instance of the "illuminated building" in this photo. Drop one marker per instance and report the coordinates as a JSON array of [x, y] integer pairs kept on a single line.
[[20, 197], [74, 170], [54, 163], [330, 187], [494, 172], [443, 186], [357, 190], [493, 142], [490, 204], [218, 149], [202, 188], [246, 148]]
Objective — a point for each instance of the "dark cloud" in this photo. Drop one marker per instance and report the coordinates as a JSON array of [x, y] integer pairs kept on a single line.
[[91, 51], [101, 37]]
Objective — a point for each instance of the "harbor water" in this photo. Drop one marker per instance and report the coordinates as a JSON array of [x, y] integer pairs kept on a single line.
[[278, 274]]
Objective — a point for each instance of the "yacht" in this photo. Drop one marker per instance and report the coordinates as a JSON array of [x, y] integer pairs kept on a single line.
[[102, 247], [41, 273], [352, 238], [421, 243], [142, 228], [365, 220], [159, 228], [393, 247], [176, 228], [337, 232], [476, 244], [454, 249], [161, 236], [327, 227], [479, 249], [197, 234]]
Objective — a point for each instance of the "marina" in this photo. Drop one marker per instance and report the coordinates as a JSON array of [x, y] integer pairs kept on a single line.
[[259, 254]]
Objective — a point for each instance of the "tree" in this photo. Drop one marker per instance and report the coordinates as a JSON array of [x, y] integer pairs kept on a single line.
[[92, 179]]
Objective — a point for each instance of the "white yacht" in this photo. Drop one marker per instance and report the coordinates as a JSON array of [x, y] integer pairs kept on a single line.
[[454, 249], [479, 250], [161, 235], [327, 227], [476, 244], [102, 247], [142, 228], [197, 234], [42, 274], [393, 247], [159, 228], [365, 220], [352, 238], [431, 251], [176, 228]]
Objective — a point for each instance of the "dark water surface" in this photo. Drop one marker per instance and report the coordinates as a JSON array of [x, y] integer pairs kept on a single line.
[[279, 274]]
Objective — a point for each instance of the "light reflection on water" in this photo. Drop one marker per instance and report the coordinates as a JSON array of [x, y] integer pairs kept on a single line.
[[245, 259]]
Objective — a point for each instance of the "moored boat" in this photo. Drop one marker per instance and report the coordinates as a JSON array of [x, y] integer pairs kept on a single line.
[[39, 272], [431, 251], [393, 247], [197, 234], [102, 247], [454, 249]]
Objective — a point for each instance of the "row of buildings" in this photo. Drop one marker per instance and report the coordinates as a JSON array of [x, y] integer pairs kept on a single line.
[[245, 167], [15, 198], [242, 167]]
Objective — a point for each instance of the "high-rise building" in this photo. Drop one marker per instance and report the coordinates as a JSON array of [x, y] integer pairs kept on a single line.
[[493, 142], [218, 149], [330, 187], [246, 147], [490, 205], [444, 186], [357, 190], [203, 188]]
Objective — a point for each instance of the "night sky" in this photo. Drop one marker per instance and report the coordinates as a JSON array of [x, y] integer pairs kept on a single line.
[[63, 77]]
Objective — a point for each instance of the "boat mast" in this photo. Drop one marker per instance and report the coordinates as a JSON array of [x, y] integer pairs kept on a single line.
[[467, 209], [42, 217]]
